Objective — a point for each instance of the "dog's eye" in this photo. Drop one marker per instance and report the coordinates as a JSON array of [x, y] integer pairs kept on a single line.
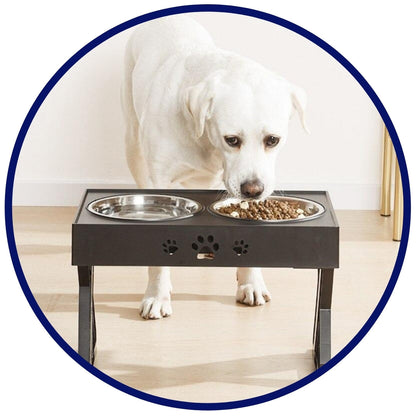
[[271, 141], [233, 141]]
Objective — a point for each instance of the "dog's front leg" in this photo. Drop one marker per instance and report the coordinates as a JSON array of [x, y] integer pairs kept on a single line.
[[156, 300], [251, 288]]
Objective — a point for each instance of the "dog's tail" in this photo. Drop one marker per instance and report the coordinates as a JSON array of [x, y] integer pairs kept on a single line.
[[135, 159]]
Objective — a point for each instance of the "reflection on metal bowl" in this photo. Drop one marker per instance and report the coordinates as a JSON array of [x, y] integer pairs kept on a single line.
[[145, 207]]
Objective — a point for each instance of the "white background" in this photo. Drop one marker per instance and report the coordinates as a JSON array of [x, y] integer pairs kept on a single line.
[[76, 139], [377, 377]]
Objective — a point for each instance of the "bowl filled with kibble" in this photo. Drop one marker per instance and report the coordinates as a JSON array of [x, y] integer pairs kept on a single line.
[[275, 208]]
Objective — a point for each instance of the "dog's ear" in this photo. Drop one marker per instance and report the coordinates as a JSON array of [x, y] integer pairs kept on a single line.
[[299, 99], [197, 103]]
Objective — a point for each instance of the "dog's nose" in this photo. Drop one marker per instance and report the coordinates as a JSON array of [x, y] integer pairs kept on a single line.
[[252, 189]]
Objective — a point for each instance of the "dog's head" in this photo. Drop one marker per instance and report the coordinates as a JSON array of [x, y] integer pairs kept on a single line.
[[245, 114]]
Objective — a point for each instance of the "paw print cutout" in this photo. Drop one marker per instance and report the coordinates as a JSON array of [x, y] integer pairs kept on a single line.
[[240, 247], [205, 248], [170, 247]]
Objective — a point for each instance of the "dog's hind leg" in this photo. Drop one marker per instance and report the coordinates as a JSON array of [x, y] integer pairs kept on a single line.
[[251, 288], [156, 300]]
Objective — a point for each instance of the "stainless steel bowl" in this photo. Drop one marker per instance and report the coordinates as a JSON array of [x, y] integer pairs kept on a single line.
[[314, 209], [145, 207]]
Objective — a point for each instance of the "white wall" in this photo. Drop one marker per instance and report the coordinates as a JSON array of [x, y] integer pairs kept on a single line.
[[77, 138]]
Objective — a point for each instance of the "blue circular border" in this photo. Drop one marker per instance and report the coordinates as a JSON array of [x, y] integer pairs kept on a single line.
[[222, 9]]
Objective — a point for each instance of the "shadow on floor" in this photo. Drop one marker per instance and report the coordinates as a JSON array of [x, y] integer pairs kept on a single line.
[[51, 302], [250, 371]]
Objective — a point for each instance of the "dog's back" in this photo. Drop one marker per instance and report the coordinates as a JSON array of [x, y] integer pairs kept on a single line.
[[150, 45]]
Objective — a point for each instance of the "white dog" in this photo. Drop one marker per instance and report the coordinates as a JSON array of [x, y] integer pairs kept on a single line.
[[200, 116]]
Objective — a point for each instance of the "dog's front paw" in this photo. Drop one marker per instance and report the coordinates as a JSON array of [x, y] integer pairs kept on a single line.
[[155, 308], [252, 294]]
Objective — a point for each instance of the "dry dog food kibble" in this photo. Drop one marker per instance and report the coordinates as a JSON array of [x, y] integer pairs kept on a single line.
[[264, 210]]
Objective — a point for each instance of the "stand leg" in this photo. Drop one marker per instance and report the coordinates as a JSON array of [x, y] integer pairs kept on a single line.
[[87, 335], [322, 325]]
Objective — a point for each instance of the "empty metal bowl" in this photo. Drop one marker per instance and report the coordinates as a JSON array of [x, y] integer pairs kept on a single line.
[[145, 207], [314, 209]]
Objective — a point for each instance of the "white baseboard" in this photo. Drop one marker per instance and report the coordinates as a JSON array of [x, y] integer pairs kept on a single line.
[[41, 193]]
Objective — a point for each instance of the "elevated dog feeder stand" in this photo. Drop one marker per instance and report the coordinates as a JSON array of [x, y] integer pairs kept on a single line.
[[207, 240]]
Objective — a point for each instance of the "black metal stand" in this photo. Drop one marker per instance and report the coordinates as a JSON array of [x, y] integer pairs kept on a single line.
[[87, 333], [98, 241], [322, 325]]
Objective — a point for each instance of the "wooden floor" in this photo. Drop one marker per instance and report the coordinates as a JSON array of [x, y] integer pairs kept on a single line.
[[211, 349]]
